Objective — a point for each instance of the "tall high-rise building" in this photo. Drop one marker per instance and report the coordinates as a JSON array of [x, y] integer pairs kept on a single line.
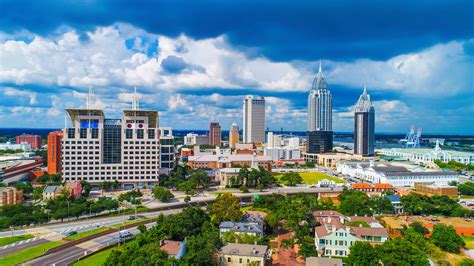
[[54, 152], [233, 135], [319, 115], [320, 104], [215, 134], [98, 149], [33, 140], [254, 120], [364, 126]]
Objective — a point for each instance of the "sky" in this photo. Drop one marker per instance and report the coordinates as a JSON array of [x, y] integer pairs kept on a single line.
[[195, 61]]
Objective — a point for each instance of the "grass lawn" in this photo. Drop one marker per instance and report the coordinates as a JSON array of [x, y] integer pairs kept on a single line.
[[28, 254], [87, 233], [96, 259], [12, 239], [469, 241], [311, 178]]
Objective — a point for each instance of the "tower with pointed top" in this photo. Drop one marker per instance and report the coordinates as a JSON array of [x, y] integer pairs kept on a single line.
[[364, 125], [319, 115]]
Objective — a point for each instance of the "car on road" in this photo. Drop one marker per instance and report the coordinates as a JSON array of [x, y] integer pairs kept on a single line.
[[71, 233], [124, 234], [131, 217]]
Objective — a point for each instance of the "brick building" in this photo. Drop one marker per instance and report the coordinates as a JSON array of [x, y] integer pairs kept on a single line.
[[33, 140]]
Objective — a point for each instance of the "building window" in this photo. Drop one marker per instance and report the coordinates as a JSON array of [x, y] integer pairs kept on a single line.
[[95, 133], [71, 133], [151, 133], [128, 133], [83, 133], [140, 133]]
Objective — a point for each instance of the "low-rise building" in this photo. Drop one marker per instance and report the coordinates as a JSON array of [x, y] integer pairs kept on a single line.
[[244, 254], [74, 188], [396, 203], [366, 187], [334, 238], [195, 139], [51, 192], [176, 249], [249, 228], [330, 160], [227, 161], [321, 261], [16, 170], [10, 196], [431, 188], [24, 146], [225, 176], [396, 175]]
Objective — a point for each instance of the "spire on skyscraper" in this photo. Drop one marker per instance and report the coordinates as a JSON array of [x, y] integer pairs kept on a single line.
[[364, 103], [319, 82], [135, 102]]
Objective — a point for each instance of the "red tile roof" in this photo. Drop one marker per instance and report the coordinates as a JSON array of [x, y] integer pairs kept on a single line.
[[361, 185], [171, 247]]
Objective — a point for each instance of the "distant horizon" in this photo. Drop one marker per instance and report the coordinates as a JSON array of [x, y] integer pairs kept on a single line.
[[224, 130]]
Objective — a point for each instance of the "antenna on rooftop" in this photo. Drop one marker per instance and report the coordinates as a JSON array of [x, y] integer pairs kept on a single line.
[[135, 102], [90, 94]]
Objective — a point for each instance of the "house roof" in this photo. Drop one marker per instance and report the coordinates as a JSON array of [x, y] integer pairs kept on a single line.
[[242, 227], [321, 261], [386, 186], [361, 185], [368, 220], [324, 213], [232, 158], [252, 218], [244, 250], [393, 198], [368, 231], [171, 247], [50, 189]]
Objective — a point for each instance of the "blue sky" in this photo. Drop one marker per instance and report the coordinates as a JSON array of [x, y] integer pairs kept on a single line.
[[194, 61]]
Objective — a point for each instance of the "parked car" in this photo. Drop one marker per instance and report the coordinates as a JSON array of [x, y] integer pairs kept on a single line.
[[71, 233], [131, 217]]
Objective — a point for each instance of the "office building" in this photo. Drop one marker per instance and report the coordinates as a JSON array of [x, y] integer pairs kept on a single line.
[[166, 148], [97, 149], [192, 139], [215, 134], [319, 116], [319, 141], [233, 135], [364, 126], [281, 148], [54, 152], [24, 146], [33, 140], [254, 120]]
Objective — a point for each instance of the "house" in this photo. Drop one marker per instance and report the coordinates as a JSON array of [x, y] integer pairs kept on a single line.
[[396, 203], [334, 238], [244, 254], [252, 218], [249, 228], [321, 261], [10, 196], [74, 188], [176, 249], [51, 192]]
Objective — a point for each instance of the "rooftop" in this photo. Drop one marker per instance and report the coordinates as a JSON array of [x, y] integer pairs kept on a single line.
[[243, 227], [232, 158], [321, 261], [244, 250], [171, 247]]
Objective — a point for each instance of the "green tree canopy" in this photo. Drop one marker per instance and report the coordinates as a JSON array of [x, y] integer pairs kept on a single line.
[[446, 238], [400, 251], [291, 179], [162, 194], [226, 208], [362, 254]]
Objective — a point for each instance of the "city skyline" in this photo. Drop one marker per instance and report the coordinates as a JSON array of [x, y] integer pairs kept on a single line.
[[190, 70]]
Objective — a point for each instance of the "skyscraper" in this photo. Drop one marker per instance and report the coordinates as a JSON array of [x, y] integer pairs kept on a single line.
[[233, 135], [320, 104], [319, 116], [364, 126], [215, 134], [254, 120]]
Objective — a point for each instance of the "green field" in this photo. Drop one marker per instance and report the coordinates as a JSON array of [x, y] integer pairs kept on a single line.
[[28, 254], [469, 242], [87, 233], [12, 239], [96, 259], [311, 178]]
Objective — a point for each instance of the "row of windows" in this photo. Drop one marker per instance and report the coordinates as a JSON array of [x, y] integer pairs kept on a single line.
[[112, 168], [81, 158], [139, 157], [111, 173], [139, 152], [110, 178], [140, 147], [80, 147], [97, 162], [140, 142], [336, 252], [80, 152], [81, 142]]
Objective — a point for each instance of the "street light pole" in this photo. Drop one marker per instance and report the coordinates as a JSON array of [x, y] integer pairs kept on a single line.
[[68, 219]]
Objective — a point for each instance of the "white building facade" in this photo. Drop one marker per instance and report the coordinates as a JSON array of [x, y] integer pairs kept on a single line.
[[254, 120], [280, 148], [195, 139], [320, 105]]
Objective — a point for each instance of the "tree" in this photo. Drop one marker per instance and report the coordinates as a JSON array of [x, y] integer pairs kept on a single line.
[[446, 238], [226, 208], [244, 189], [354, 202], [466, 188], [361, 254], [187, 199], [162, 194], [381, 205], [37, 193], [400, 251], [142, 228], [307, 247], [419, 228], [291, 179], [188, 187], [200, 178], [86, 188]]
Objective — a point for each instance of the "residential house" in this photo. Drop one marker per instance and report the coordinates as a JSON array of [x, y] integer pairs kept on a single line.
[[176, 249], [74, 188], [396, 203], [51, 192], [250, 228], [334, 238], [321, 261], [235, 254]]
